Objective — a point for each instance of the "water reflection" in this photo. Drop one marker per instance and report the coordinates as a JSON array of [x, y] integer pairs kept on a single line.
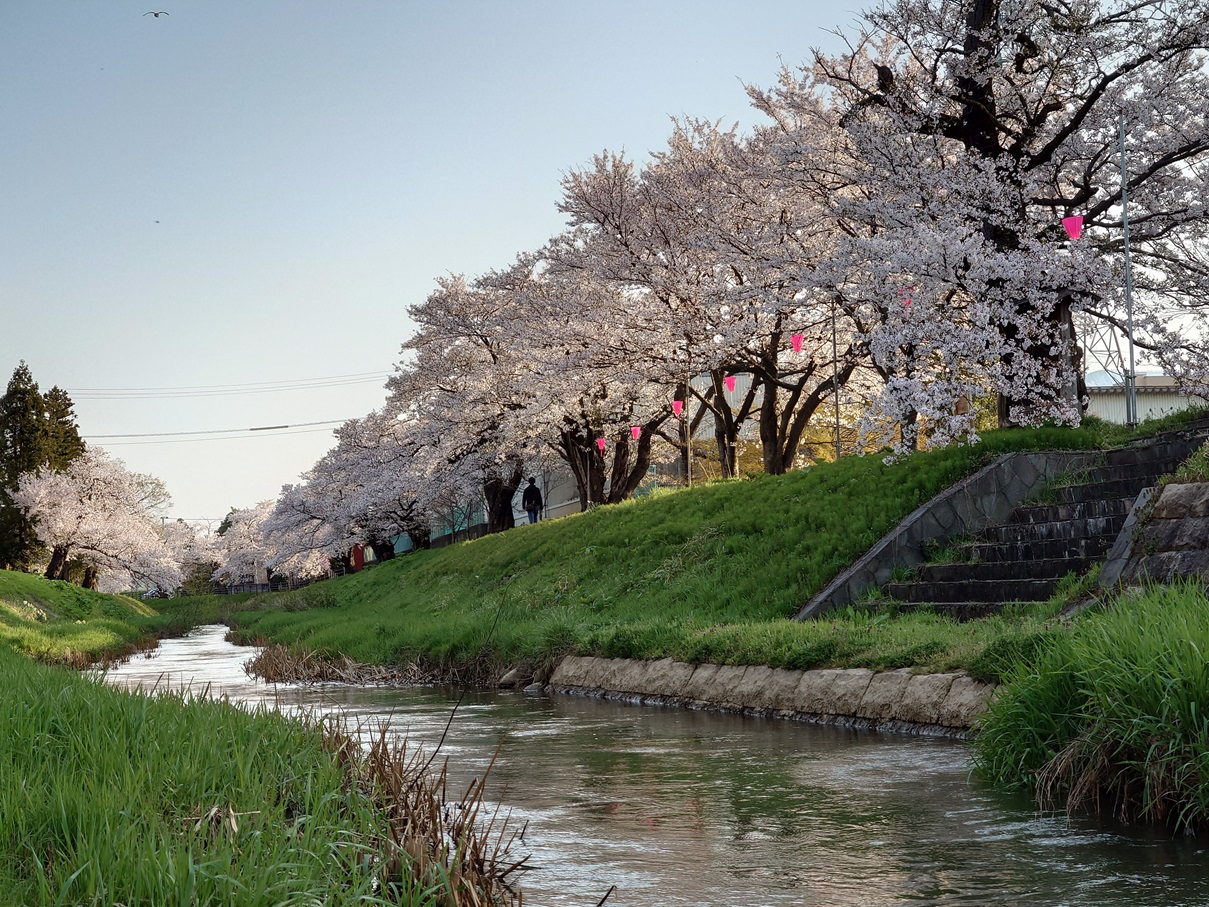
[[690, 808]]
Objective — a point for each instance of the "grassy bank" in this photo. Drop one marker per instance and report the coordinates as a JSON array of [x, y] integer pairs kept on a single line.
[[1112, 715], [56, 622], [110, 798], [704, 574]]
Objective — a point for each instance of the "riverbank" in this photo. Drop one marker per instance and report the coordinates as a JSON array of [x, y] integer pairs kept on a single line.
[[198, 802], [55, 622], [707, 574], [899, 701], [1111, 717]]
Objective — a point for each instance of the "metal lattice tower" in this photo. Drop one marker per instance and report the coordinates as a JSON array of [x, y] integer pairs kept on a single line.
[[1101, 344]]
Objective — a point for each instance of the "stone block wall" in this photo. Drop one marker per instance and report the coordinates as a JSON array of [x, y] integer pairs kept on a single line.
[[1172, 538], [896, 700]]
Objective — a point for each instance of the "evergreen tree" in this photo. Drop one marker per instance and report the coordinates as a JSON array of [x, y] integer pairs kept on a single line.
[[36, 431]]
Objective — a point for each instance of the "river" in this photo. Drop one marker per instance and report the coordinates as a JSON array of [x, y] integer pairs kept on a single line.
[[677, 807]]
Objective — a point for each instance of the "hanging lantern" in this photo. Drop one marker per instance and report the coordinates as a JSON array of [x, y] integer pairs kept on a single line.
[[730, 384], [796, 340], [1073, 226], [600, 442], [636, 431], [677, 406]]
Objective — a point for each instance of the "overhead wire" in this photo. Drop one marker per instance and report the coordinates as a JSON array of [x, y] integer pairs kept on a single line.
[[223, 438], [217, 431], [222, 390]]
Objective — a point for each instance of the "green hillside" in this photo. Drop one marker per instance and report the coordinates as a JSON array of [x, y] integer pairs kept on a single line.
[[704, 574], [55, 621]]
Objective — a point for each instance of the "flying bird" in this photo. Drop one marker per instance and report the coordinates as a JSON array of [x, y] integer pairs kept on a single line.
[[155, 13]]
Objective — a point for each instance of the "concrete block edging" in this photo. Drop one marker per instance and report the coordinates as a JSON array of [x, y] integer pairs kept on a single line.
[[946, 704]]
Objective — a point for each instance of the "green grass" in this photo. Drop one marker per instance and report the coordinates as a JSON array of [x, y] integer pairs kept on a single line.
[[704, 574], [1112, 714], [55, 621], [1194, 469], [111, 798]]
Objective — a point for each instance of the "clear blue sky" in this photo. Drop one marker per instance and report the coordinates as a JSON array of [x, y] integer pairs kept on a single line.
[[247, 192]]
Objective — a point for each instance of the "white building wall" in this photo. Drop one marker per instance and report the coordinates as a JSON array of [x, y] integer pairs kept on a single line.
[[1108, 403]]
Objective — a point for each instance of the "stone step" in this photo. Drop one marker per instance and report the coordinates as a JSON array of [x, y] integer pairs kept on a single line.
[[1025, 590], [959, 611], [1049, 568], [1095, 546], [1100, 491], [1083, 510], [1171, 447], [1058, 529], [1137, 471]]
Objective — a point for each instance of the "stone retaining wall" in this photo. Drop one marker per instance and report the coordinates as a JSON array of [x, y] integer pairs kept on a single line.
[[899, 700], [1172, 540]]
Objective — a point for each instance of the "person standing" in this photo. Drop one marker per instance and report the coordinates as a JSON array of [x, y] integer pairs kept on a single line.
[[531, 500]]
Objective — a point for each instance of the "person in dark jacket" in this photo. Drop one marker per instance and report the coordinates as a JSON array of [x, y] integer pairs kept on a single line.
[[531, 500]]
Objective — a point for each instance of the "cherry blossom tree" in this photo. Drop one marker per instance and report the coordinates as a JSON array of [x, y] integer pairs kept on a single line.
[[363, 491], [461, 380], [97, 513], [723, 247], [242, 547], [969, 129]]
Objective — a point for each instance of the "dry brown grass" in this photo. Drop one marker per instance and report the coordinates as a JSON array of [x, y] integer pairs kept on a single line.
[[462, 856], [287, 664]]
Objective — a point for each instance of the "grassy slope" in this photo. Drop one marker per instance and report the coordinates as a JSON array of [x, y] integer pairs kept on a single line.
[[706, 574], [56, 621]]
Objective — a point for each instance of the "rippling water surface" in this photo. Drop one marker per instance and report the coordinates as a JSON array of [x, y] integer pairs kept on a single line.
[[690, 808]]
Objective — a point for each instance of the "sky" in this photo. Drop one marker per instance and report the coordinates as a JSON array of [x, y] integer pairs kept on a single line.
[[215, 220]]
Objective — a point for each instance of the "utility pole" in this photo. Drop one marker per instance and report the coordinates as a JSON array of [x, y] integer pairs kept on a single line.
[[1131, 393]]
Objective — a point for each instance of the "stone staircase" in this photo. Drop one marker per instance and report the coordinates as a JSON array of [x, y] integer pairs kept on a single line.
[[1024, 558]]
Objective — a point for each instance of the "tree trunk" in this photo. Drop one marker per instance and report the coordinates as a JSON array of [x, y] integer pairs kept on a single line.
[[91, 578], [58, 562], [499, 490], [625, 477]]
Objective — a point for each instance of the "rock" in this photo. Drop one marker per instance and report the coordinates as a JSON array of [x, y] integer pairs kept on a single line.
[[668, 678], [534, 689], [967, 699], [727, 686], [573, 671], [848, 690], [1182, 501], [923, 698], [813, 693], [883, 694], [700, 686], [510, 679]]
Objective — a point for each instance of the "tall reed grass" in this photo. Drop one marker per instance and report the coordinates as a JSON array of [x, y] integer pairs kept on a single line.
[[1114, 715], [113, 798]]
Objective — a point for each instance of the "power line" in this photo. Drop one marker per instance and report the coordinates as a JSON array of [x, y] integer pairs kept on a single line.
[[244, 437], [215, 431], [222, 390]]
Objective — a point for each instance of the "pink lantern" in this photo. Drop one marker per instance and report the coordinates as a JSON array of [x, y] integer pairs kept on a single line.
[[600, 442], [677, 406], [636, 431], [796, 340], [1073, 226], [730, 383]]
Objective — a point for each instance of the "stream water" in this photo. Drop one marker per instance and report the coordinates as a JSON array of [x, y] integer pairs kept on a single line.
[[677, 807]]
